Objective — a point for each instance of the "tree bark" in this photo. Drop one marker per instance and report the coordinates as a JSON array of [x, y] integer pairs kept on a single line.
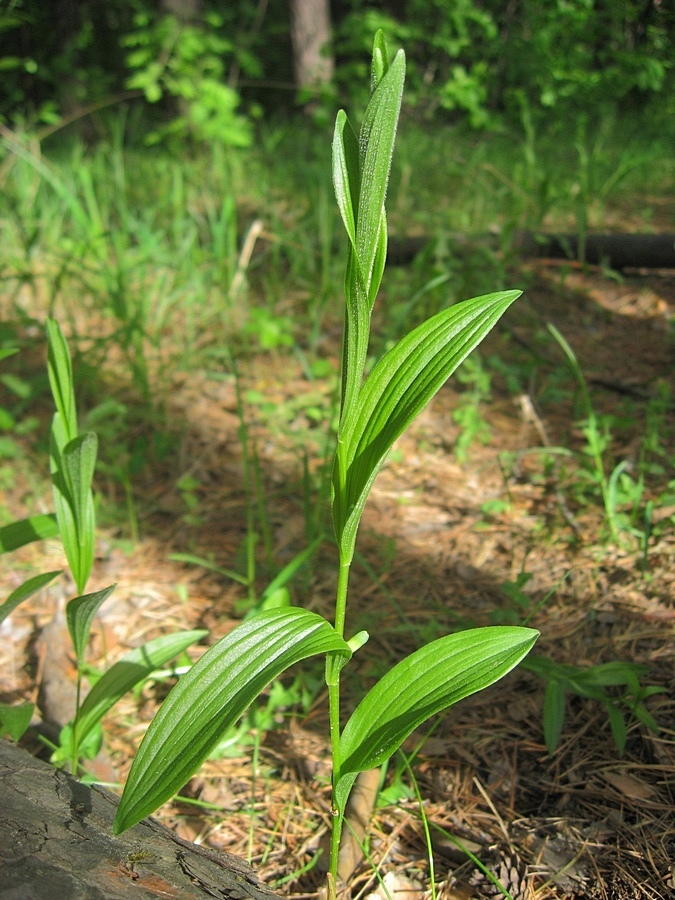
[[310, 36], [184, 10], [57, 842]]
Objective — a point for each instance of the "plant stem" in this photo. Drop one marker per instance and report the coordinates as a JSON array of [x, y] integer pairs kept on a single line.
[[75, 748], [341, 597], [334, 711]]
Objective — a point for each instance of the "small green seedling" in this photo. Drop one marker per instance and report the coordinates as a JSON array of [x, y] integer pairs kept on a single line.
[[73, 459], [593, 682], [618, 489], [374, 413]]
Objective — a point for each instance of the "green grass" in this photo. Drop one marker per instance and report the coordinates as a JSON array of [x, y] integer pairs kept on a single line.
[[159, 255]]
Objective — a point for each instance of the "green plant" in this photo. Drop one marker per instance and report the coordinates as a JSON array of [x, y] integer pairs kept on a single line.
[[186, 61], [592, 682], [72, 462], [618, 489], [374, 413], [467, 414]]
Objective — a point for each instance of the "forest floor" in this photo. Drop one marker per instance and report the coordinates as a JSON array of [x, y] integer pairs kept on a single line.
[[441, 546]]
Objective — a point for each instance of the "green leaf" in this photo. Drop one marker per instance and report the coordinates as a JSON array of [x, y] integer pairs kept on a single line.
[[380, 62], [210, 698], [68, 529], [428, 681], [346, 173], [376, 142], [618, 725], [25, 531], [72, 461], [395, 392], [72, 470], [80, 614], [360, 176], [208, 564], [554, 714], [79, 462], [129, 671], [66, 750], [15, 719], [291, 568], [61, 380], [24, 591]]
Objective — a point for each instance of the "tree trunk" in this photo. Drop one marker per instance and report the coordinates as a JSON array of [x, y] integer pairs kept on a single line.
[[57, 842], [184, 10], [310, 36]]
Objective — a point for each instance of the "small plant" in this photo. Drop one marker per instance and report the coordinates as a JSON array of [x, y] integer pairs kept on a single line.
[[618, 489], [473, 426], [593, 682], [374, 412], [72, 463]]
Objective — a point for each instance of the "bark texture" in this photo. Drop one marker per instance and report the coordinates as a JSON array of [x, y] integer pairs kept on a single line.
[[310, 37], [57, 842]]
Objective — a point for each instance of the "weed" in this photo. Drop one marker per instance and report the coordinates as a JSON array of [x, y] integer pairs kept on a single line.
[[373, 414], [593, 682], [467, 414], [619, 490], [72, 462]]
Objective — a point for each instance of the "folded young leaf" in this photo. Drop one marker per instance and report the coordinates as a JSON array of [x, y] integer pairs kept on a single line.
[[80, 614], [360, 177], [426, 682], [210, 698], [126, 673], [346, 173], [61, 380], [80, 559], [376, 142], [395, 392], [79, 462]]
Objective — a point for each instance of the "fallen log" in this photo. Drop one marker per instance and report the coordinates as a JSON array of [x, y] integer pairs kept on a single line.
[[57, 842], [617, 251]]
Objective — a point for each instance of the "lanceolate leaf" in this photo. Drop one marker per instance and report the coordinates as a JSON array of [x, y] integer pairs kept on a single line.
[[346, 174], [395, 392], [61, 381], [79, 461], [129, 671], [380, 62], [25, 531], [79, 565], [430, 680], [376, 142], [80, 614], [25, 590], [360, 176], [211, 697]]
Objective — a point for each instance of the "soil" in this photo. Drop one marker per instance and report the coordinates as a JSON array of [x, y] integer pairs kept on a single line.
[[441, 542]]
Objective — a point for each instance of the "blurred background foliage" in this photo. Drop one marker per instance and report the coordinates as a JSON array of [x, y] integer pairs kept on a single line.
[[211, 68]]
